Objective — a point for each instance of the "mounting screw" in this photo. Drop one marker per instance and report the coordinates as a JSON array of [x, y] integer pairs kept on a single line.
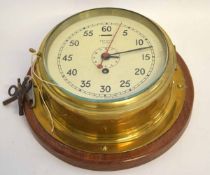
[[180, 85], [104, 148]]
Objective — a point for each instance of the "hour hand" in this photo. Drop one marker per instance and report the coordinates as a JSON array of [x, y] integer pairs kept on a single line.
[[114, 56]]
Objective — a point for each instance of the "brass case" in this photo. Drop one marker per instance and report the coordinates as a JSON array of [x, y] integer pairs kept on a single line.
[[111, 127]]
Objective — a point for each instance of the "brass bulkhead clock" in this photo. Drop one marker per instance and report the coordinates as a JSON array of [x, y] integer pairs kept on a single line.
[[110, 90]]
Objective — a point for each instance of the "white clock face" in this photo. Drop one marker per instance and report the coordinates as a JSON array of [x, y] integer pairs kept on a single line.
[[106, 58]]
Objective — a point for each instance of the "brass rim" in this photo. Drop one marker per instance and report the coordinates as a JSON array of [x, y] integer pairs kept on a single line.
[[140, 101]]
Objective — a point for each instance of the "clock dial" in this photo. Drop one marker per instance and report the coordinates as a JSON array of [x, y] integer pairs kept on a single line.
[[106, 58]]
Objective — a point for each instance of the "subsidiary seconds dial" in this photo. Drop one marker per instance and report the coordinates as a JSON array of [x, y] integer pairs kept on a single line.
[[106, 60]]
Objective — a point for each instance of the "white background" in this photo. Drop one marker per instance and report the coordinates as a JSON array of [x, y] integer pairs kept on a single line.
[[24, 23]]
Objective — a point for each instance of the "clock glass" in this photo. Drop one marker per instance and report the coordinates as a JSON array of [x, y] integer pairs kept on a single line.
[[105, 57]]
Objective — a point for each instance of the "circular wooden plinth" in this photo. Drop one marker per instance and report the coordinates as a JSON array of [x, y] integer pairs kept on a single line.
[[97, 161]]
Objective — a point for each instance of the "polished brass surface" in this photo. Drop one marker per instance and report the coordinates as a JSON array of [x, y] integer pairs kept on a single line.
[[117, 134], [111, 127]]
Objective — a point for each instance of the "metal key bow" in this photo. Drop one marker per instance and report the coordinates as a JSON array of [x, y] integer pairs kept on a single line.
[[19, 93]]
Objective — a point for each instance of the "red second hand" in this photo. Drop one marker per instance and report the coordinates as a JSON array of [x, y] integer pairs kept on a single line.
[[107, 49], [113, 38]]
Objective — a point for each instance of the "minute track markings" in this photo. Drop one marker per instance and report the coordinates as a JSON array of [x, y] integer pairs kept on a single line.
[[91, 93]]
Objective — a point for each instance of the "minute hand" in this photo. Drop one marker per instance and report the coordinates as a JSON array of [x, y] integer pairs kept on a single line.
[[142, 48]]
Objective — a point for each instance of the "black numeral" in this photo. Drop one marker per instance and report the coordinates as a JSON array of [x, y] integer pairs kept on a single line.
[[125, 83], [139, 71], [146, 56], [106, 29], [105, 88], [72, 72], [68, 57], [125, 32], [88, 33], [74, 43], [139, 42], [85, 83]]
